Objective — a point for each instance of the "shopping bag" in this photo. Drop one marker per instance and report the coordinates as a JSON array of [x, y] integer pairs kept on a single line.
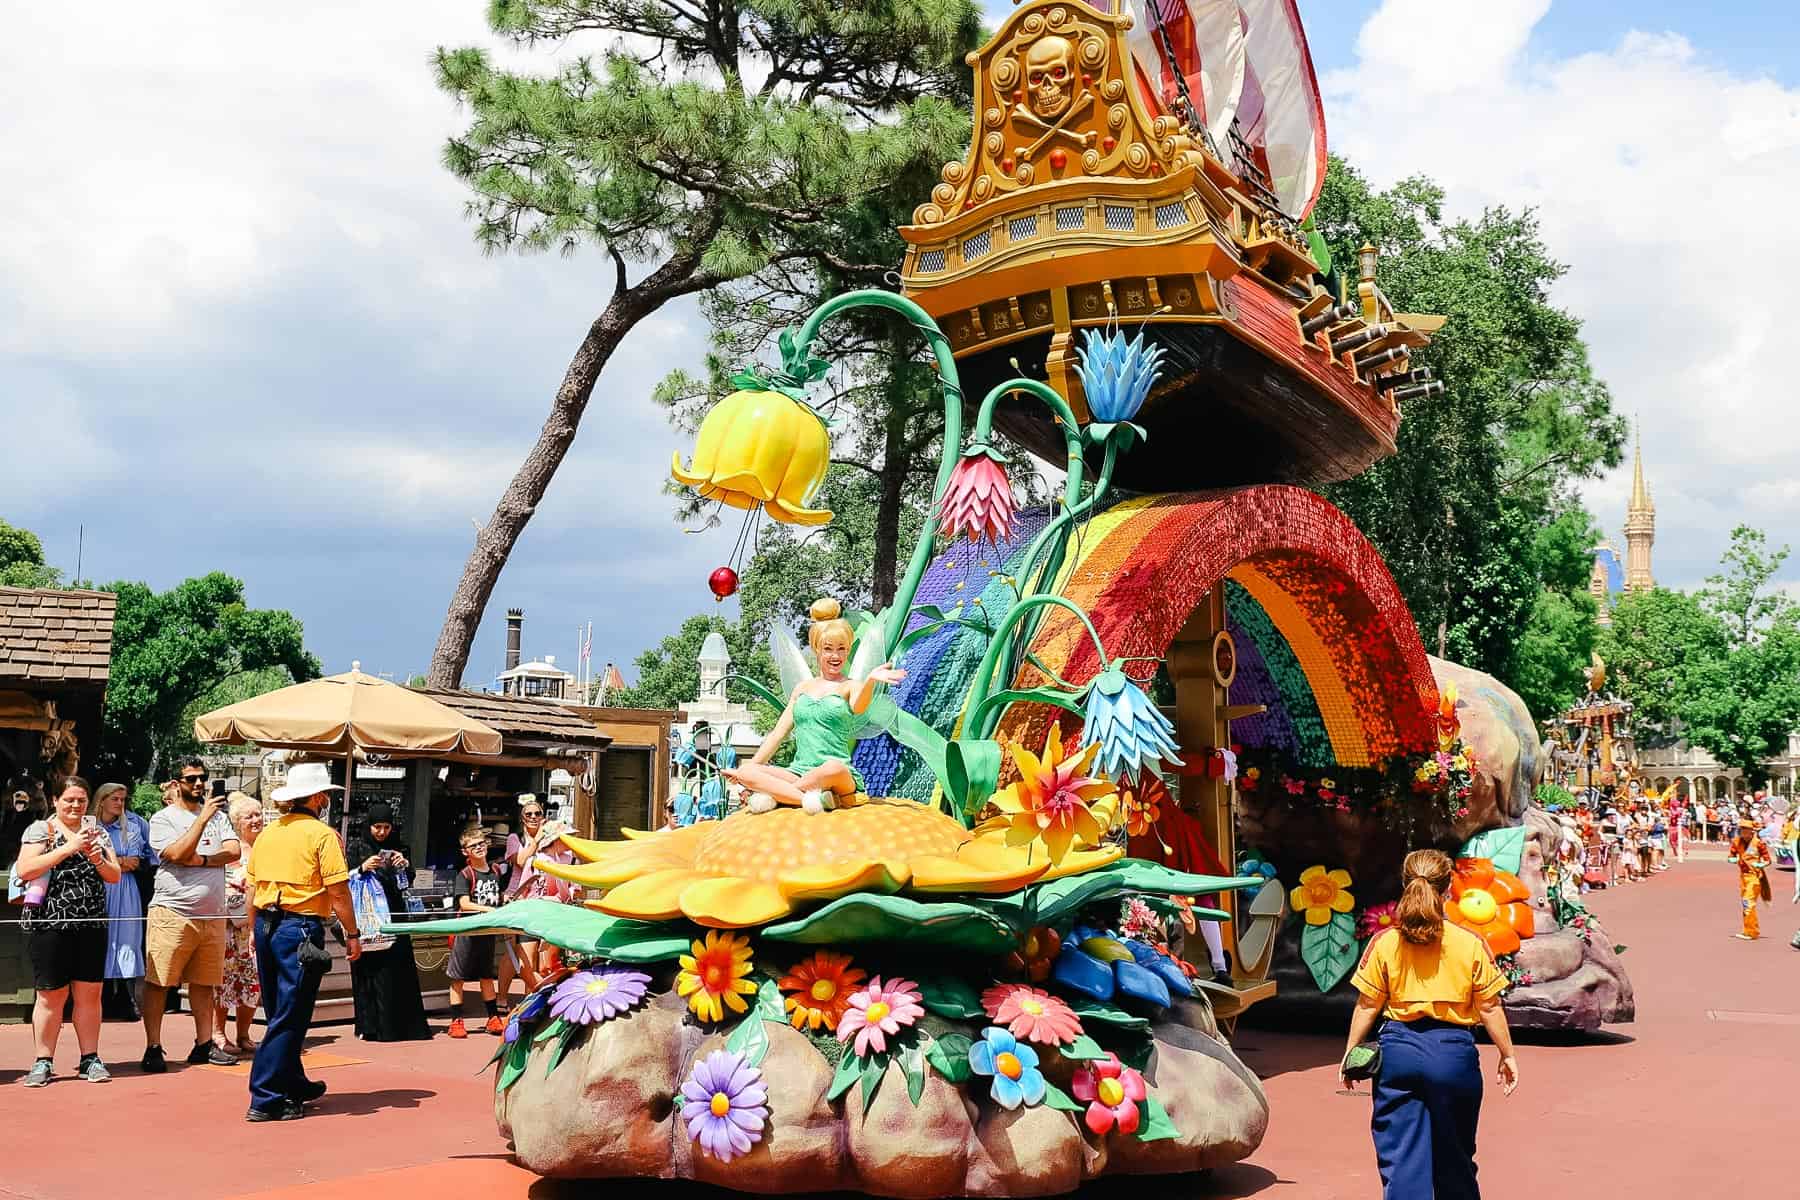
[[372, 912]]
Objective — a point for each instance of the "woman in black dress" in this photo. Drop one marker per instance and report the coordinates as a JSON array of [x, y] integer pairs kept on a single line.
[[385, 983]]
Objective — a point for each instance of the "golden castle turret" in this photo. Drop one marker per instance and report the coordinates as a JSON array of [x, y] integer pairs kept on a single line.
[[1640, 528]]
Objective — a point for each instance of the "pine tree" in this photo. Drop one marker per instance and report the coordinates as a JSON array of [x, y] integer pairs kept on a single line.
[[709, 140]]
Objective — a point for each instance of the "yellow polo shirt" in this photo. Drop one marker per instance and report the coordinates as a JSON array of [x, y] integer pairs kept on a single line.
[[1446, 981], [293, 862]]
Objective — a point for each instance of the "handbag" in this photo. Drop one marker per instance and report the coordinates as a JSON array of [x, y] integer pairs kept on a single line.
[[1362, 1061]]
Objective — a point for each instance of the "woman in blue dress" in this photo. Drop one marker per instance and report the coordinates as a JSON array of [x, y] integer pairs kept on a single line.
[[130, 835]]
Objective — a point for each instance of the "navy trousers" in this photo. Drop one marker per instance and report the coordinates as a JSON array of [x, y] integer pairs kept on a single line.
[[288, 994], [1427, 1103]]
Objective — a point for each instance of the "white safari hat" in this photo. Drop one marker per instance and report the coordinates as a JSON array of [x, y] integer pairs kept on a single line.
[[303, 780]]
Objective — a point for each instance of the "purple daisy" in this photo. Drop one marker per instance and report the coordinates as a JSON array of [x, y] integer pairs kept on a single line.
[[725, 1104], [596, 995]]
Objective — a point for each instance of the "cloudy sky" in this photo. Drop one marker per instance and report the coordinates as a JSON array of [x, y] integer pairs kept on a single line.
[[243, 325]]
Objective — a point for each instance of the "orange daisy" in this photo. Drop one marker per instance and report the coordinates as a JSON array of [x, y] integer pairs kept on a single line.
[[820, 989], [713, 976], [1491, 903]]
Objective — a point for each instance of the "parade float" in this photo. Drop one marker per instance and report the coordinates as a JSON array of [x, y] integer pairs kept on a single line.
[[1052, 817]]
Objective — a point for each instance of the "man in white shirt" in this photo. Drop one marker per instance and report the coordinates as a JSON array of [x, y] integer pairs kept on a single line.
[[184, 931]]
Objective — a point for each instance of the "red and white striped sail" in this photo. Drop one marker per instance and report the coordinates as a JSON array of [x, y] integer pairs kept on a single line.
[[1244, 60]]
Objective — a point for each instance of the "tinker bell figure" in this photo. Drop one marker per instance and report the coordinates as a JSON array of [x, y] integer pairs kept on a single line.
[[825, 714]]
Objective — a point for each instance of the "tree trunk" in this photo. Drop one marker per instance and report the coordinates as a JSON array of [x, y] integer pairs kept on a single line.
[[895, 470], [494, 544]]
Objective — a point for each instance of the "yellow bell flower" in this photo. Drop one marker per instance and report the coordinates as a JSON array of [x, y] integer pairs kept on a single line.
[[761, 447]]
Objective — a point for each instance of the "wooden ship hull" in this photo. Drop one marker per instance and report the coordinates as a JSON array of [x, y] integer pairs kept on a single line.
[[1084, 204]]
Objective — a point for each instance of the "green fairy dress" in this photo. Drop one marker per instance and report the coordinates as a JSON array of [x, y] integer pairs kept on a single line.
[[825, 728]]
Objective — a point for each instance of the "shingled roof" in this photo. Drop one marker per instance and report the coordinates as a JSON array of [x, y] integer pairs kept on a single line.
[[522, 719], [49, 636]]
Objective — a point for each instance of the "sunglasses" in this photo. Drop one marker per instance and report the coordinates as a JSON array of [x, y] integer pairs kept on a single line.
[[193, 779], [532, 814]]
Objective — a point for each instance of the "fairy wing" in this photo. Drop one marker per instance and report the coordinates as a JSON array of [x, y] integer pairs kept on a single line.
[[790, 660], [870, 650]]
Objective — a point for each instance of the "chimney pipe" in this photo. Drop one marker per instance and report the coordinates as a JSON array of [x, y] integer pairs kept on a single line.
[[515, 621]]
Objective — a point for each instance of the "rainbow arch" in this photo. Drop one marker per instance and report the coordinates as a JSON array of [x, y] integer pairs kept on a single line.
[[1325, 640]]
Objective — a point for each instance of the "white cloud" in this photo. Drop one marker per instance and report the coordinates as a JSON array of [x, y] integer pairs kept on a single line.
[[1662, 179], [244, 326]]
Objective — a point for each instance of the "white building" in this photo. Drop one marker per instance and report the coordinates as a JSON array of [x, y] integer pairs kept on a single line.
[[728, 720]]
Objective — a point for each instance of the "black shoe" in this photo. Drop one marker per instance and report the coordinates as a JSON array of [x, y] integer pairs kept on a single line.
[[311, 1090], [206, 1053], [153, 1062], [289, 1110]]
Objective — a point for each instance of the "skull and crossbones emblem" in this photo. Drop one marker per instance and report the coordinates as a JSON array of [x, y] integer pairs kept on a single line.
[[1055, 94]]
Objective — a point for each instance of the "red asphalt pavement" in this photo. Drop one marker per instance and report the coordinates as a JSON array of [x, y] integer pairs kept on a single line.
[[1691, 1096]]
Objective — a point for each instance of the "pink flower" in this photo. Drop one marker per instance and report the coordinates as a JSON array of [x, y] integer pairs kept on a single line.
[[1376, 918], [1031, 1013], [875, 1012], [1112, 1091], [978, 500]]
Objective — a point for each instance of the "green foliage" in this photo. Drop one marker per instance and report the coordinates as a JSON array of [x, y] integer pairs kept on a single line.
[[170, 648], [22, 560], [1721, 667], [146, 799], [1477, 515]]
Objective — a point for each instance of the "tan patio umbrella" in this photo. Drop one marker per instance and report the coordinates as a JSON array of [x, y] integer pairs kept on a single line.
[[342, 714]]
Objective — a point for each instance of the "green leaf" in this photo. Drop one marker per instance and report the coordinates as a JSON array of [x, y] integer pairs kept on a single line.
[[1107, 1014], [1135, 1051], [901, 920], [950, 996], [1051, 903], [1505, 848], [1155, 1125], [849, 1068], [570, 926], [949, 1057], [971, 772], [569, 1034], [514, 1066], [1330, 951], [749, 1038], [912, 1062], [1055, 1097], [550, 1030], [496, 1056], [769, 1002], [873, 1072], [1082, 1048]]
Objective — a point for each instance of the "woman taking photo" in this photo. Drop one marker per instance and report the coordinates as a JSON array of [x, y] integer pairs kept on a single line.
[[65, 926], [1432, 982], [130, 838], [526, 882], [385, 983]]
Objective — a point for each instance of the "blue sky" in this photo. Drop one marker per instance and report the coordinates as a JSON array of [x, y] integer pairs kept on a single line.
[[255, 335]]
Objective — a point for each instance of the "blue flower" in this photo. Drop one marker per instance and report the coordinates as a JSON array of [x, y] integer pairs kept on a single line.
[[1012, 1065], [1081, 972], [1116, 375], [712, 799], [726, 756], [1131, 733]]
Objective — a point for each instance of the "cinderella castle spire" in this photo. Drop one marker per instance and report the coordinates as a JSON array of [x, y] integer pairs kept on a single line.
[[1640, 527]]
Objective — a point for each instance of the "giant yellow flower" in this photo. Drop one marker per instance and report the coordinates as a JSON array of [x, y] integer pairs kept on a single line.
[[753, 868], [1322, 893], [761, 447]]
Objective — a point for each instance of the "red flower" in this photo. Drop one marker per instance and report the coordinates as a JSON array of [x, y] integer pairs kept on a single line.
[[1112, 1092], [978, 500]]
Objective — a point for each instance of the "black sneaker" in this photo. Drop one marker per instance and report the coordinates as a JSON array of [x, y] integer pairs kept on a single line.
[[311, 1090], [208, 1054], [153, 1062], [289, 1110]]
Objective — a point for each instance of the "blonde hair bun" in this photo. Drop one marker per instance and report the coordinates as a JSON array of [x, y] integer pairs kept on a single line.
[[825, 609]]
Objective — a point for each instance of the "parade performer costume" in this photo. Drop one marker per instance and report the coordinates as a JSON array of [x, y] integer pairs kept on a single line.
[[825, 716], [1753, 860]]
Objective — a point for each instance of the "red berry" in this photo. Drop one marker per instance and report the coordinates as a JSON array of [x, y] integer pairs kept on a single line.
[[1059, 159], [723, 582]]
